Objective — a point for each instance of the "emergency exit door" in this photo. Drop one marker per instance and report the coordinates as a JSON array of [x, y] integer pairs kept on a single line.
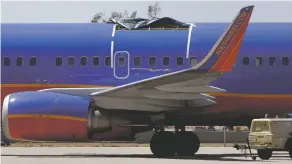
[[121, 64]]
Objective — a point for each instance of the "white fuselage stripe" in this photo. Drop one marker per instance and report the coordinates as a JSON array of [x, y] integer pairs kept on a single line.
[[112, 54], [112, 45], [114, 30], [189, 40]]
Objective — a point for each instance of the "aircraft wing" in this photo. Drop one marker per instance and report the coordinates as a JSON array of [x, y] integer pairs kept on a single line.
[[184, 88], [166, 91]]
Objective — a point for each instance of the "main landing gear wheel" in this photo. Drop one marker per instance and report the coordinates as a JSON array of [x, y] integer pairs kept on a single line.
[[162, 144], [265, 154], [187, 143], [167, 144]]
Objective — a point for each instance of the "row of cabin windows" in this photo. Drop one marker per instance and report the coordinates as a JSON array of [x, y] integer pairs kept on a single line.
[[259, 61], [96, 61], [20, 61], [122, 61], [137, 61]]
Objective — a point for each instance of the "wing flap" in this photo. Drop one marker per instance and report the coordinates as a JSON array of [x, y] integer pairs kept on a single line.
[[196, 85], [193, 89], [157, 94], [203, 103]]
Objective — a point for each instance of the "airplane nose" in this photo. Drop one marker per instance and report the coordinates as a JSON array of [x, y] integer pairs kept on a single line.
[[5, 126]]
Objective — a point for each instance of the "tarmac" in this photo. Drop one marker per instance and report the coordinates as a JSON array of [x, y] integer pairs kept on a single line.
[[129, 155]]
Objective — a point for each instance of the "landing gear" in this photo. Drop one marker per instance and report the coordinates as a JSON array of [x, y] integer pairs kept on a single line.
[[168, 144], [162, 144], [187, 143], [265, 154]]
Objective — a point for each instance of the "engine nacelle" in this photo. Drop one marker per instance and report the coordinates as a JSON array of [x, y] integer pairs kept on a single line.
[[49, 116]]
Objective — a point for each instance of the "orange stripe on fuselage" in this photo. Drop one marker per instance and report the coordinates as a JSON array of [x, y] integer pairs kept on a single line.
[[47, 116]]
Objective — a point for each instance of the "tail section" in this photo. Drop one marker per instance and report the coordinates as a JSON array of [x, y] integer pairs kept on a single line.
[[224, 53]]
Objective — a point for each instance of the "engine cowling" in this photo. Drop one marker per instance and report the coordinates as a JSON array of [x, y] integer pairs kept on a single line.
[[49, 116]]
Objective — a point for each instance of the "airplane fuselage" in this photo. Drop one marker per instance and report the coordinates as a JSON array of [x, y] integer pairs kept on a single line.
[[105, 57]]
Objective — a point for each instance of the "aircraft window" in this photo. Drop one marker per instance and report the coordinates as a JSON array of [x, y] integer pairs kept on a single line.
[[165, 61], [179, 61], [95, 61], [285, 61], [107, 61], [193, 61], [59, 61], [71, 61], [245, 60], [152, 61], [137, 61], [122, 61], [83, 61], [6, 61], [272, 61], [32, 61], [259, 61], [19, 61]]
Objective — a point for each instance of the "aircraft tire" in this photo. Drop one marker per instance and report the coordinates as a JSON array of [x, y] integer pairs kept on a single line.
[[162, 144], [187, 143], [265, 154], [290, 153]]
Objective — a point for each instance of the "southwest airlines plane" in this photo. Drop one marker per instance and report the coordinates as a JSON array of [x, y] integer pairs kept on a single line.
[[75, 81]]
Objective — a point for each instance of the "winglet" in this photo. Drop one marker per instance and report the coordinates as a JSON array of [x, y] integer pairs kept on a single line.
[[224, 53]]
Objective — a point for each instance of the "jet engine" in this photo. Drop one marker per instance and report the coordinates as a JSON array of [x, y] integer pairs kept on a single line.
[[49, 116]]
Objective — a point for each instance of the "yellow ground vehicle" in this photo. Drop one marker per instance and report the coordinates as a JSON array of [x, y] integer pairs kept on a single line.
[[271, 134]]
